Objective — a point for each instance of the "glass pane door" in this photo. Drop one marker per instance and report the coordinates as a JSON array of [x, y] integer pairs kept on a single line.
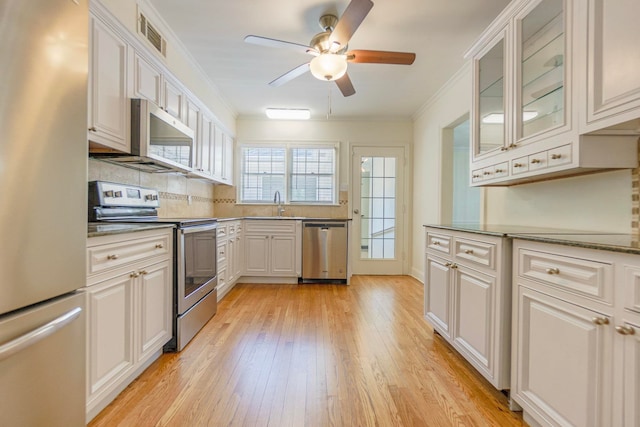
[[377, 229], [377, 207]]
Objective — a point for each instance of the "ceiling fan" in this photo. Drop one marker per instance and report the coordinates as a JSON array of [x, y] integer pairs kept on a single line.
[[329, 49]]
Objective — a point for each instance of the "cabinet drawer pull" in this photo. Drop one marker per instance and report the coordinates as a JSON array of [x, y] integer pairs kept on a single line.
[[553, 270], [625, 330], [114, 256], [436, 243], [448, 264], [93, 129], [159, 246], [468, 251], [518, 165], [454, 265], [499, 170], [600, 321], [504, 148], [556, 156], [143, 272], [134, 275], [534, 161], [487, 173], [476, 176]]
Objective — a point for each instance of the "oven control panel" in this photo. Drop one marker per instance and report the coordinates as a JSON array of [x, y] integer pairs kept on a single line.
[[108, 194]]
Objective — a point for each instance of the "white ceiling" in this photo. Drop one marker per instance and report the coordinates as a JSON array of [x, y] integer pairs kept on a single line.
[[438, 31]]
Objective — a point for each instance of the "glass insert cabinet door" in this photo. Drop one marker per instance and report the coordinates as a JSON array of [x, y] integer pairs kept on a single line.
[[541, 99], [490, 100]]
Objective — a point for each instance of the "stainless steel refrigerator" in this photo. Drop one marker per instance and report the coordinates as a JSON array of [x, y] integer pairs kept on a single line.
[[43, 175]]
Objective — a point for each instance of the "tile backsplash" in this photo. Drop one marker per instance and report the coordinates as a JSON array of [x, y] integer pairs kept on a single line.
[[179, 196], [226, 207]]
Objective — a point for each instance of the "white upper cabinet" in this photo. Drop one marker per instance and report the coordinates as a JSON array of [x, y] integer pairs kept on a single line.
[[146, 80], [109, 107], [121, 68], [528, 71], [610, 29]]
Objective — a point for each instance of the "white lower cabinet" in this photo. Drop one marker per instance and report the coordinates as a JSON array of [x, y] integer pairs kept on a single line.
[[129, 309], [272, 248], [562, 360], [576, 352], [230, 255], [467, 298]]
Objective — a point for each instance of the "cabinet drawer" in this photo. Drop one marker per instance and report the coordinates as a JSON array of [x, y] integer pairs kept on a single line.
[[538, 161], [222, 253], [520, 165], [579, 276], [560, 156], [222, 230], [476, 175], [439, 242], [501, 170], [632, 288], [477, 252], [118, 254], [279, 226]]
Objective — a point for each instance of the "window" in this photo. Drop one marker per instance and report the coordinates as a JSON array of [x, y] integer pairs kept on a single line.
[[302, 174]]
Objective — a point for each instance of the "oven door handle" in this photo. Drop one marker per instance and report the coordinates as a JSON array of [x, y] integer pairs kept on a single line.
[[198, 228]]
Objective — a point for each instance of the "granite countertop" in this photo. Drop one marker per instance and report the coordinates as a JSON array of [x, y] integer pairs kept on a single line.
[[95, 229], [617, 242]]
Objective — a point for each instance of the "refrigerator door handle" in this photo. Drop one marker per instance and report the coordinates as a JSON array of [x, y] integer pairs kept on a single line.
[[18, 344]]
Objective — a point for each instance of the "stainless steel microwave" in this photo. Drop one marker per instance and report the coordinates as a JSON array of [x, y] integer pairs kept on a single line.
[[159, 141]]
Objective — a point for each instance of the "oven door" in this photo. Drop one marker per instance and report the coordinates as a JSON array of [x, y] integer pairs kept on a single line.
[[196, 264]]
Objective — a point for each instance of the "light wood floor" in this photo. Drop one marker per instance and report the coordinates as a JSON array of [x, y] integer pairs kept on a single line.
[[314, 355]]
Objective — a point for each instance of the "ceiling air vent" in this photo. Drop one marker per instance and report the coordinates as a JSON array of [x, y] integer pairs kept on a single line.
[[152, 35]]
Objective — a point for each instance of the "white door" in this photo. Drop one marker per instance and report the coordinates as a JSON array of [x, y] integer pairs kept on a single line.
[[378, 210]]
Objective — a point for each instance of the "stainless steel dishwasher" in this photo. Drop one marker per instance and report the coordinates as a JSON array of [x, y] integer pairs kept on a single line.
[[324, 251]]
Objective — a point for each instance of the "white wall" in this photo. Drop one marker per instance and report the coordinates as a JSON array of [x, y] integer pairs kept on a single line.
[[445, 108], [347, 132], [597, 202]]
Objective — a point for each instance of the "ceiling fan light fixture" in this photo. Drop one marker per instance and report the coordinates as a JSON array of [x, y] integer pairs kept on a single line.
[[328, 66], [288, 113]]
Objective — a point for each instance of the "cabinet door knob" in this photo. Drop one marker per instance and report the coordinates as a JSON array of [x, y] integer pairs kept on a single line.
[[143, 272], [600, 320], [113, 256], [134, 275], [448, 264], [454, 265], [553, 270], [93, 129], [625, 330]]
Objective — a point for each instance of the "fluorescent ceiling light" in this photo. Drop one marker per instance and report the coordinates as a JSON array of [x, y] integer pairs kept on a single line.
[[288, 114], [498, 118]]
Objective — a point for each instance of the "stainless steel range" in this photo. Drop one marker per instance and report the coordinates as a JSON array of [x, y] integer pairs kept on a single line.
[[195, 274]]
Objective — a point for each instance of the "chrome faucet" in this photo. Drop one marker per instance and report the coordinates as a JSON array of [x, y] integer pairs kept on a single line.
[[277, 199]]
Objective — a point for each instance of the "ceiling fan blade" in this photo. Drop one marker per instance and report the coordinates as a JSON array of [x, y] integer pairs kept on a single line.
[[351, 19], [380, 57], [345, 85], [265, 41], [290, 75]]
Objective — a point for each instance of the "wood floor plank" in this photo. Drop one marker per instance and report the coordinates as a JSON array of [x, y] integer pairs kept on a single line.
[[314, 355]]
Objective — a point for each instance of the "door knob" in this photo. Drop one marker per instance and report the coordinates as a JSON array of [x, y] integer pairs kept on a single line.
[[356, 211]]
